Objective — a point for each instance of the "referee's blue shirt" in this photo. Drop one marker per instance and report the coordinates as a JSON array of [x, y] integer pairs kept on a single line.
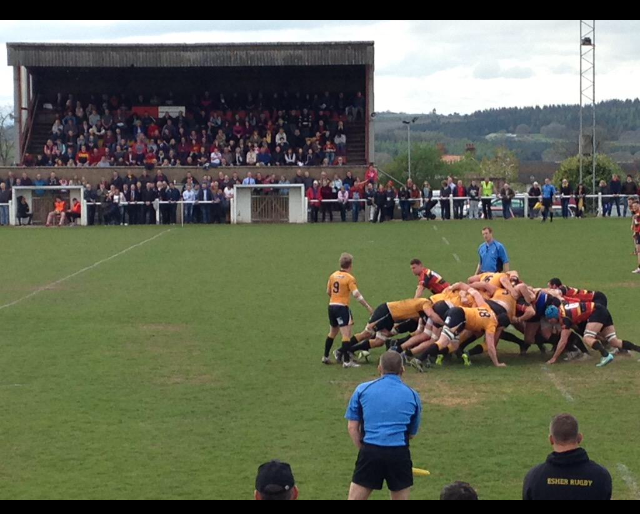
[[491, 255], [548, 191], [388, 409]]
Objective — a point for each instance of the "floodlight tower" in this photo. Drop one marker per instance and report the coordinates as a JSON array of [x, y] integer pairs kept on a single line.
[[587, 141]]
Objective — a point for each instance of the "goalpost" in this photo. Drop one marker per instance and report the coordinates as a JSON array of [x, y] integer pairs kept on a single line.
[[41, 201], [269, 203]]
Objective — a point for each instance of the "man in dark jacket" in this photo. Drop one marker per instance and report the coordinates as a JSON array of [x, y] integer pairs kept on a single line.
[[173, 195], [568, 474], [615, 188], [629, 188], [149, 195], [380, 202]]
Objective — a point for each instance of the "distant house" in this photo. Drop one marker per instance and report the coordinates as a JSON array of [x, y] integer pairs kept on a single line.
[[451, 159]]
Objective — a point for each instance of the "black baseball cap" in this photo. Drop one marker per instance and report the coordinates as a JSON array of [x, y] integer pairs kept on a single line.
[[274, 477]]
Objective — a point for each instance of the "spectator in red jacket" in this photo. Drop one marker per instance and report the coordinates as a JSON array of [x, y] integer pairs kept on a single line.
[[314, 196], [458, 205], [371, 176]]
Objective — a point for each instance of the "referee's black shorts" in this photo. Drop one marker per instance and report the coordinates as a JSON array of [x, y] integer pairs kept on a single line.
[[376, 464]]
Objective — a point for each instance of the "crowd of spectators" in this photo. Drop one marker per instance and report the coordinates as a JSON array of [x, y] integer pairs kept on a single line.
[[331, 196], [214, 130]]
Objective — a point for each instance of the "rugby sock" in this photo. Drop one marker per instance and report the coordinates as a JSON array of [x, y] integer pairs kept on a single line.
[[401, 341], [347, 347], [626, 345], [433, 350], [444, 351], [598, 347], [408, 353], [476, 350], [363, 346], [396, 349], [327, 346], [576, 341], [387, 343], [512, 338]]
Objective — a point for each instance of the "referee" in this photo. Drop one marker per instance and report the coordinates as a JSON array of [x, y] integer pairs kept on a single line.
[[383, 416], [493, 254]]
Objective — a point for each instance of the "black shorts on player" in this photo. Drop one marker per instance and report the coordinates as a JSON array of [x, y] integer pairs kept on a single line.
[[600, 298], [381, 318], [339, 316], [456, 320], [376, 464], [637, 239], [411, 325], [601, 315], [440, 308], [496, 308]]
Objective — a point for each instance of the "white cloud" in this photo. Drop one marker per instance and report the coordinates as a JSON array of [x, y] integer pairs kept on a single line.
[[453, 66]]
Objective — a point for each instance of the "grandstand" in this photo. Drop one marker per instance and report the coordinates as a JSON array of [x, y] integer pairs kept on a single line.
[[235, 82]]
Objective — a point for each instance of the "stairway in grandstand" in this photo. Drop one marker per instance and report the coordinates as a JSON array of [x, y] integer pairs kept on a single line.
[[41, 131], [356, 135]]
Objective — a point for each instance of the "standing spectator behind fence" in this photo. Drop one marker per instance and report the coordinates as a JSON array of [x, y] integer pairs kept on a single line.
[[535, 196], [326, 191], [629, 188], [615, 188], [487, 195], [474, 201], [356, 193], [606, 201], [568, 473], [371, 175], [315, 200], [189, 197], [507, 194], [581, 200], [458, 206], [405, 206], [343, 203], [445, 204], [566, 192], [384, 415], [390, 204], [380, 202], [5, 196]]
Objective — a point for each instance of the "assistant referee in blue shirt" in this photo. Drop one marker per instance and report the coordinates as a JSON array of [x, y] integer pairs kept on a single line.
[[493, 255], [383, 416]]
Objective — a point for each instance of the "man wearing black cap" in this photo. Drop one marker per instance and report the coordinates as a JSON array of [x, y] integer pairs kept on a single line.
[[275, 482], [568, 474]]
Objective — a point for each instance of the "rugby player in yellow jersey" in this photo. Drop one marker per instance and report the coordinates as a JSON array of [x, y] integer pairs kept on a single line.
[[464, 322], [384, 319], [340, 287], [435, 308], [501, 280]]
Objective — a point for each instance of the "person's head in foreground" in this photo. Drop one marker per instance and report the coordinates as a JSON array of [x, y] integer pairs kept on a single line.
[[458, 491], [275, 482], [391, 364], [564, 433]]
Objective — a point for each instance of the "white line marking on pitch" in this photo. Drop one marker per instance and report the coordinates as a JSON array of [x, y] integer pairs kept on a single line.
[[455, 256], [556, 382], [629, 480], [445, 240], [435, 227], [83, 270]]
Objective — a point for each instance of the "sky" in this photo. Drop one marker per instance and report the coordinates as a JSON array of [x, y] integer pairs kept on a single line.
[[450, 66]]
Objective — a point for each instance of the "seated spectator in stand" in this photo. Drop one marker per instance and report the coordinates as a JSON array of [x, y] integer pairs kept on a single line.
[[23, 210], [330, 152], [458, 491], [75, 213], [568, 473], [275, 482], [252, 156], [249, 180], [58, 212], [215, 158], [277, 158], [264, 159]]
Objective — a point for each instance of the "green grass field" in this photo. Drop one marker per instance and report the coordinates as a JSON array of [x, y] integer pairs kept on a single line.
[[173, 370]]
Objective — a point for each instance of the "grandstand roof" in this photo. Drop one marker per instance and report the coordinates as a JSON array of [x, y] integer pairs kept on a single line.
[[187, 56]]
